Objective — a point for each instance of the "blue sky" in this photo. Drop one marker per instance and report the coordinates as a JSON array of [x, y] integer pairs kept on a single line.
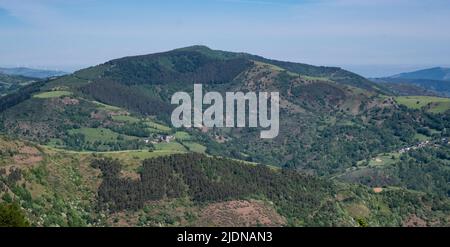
[[374, 38]]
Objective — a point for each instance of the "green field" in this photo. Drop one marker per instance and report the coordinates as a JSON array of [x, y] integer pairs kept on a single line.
[[126, 119], [382, 159], [438, 105], [98, 134], [132, 158], [182, 135], [421, 137], [107, 107], [156, 127], [171, 146], [195, 147], [52, 94], [55, 142], [269, 66]]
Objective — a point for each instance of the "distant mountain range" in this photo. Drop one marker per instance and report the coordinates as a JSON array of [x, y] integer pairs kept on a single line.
[[429, 81], [34, 73], [11, 83], [437, 73]]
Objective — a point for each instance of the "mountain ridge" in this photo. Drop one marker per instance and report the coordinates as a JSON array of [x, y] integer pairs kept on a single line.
[[335, 73], [434, 73], [34, 73], [434, 80]]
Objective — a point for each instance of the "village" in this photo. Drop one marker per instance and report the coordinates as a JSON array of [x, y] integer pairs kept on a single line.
[[159, 139], [423, 144]]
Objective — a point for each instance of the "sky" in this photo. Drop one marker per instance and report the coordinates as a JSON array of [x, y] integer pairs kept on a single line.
[[371, 37]]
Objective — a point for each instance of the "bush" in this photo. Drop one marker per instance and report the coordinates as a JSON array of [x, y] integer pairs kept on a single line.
[[12, 216]]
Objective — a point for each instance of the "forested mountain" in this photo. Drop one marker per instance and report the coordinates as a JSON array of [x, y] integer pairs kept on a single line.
[[302, 199], [437, 73], [435, 80], [402, 88], [362, 136], [11, 83]]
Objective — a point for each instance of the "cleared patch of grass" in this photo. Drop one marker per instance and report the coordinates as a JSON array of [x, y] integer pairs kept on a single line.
[[107, 107], [270, 66], [195, 147], [55, 142], [182, 135], [421, 137], [139, 154], [417, 102], [98, 134], [152, 130], [126, 119], [132, 159], [171, 146], [52, 94], [357, 210], [382, 159], [440, 107], [157, 126], [68, 81]]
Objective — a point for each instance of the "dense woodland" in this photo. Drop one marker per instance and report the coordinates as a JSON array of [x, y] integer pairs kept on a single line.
[[24, 93], [211, 179], [111, 92], [175, 67]]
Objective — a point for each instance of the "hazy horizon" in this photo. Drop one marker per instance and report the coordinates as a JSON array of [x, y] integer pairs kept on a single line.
[[371, 38]]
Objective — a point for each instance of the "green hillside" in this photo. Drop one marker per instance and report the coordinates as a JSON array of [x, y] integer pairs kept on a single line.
[[11, 83], [431, 104], [66, 188], [437, 73], [334, 125], [435, 80]]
